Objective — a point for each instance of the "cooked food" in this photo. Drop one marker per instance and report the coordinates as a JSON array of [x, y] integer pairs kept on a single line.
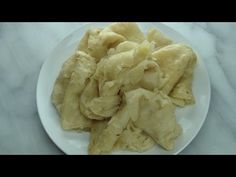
[[123, 86]]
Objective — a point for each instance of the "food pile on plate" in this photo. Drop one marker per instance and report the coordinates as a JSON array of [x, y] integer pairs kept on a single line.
[[123, 86]]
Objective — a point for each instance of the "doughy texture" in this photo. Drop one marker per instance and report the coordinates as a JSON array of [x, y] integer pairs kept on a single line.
[[173, 61], [109, 135], [123, 86], [89, 93], [182, 94], [159, 39], [71, 116], [123, 47], [62, 82], [130, 31], [96, 128], [96, 42], [153, 112], [134, 139]]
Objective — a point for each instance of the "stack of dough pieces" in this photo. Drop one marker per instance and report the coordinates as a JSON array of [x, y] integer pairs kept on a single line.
[[123, 87]]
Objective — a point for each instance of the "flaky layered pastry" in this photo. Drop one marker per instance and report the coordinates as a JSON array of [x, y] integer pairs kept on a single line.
[[123, 86]]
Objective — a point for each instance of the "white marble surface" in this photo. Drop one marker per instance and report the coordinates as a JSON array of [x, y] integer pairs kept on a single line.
[[24, 46]]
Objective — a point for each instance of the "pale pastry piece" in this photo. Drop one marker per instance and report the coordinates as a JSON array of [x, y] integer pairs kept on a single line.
[[109, 67], [134, 139], [97, 107], [178, 102], [96, 42], [142, 52], [97, 126], [153, 112], [146, 74], [62, 82], [107, 86], [99, 73], [160, 40], [109, 135], [115, 64], [83, 44], [91, 44], [182, 93], [95, 47], [110, 88], [162, 126], [109, 38], [122, 47], [135, 74], [173, 61], [130, 31], [88, 40], [105, 106], [126, 70], [118, 63], [183, 90], [152, 78], [90, 92], [71, 116]]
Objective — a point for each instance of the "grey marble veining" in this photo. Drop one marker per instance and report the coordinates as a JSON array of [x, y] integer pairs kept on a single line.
[[24, 47]]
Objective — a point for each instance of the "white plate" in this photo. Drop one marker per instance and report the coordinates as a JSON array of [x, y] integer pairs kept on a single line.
[[191, 118]]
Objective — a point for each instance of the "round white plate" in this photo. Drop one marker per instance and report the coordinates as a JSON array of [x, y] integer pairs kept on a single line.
[[191, 118]]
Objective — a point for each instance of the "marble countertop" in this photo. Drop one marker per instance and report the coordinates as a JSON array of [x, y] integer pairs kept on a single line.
[[24, 46]]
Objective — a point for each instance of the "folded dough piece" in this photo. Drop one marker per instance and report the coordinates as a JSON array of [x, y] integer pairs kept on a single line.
[[153, 112], [122, 47], [142, 52], [109, 135], [134, 139], [62, 82], [89, 93], [160, 40], [71, 116], [112, 71], [130, 31], [182, 93], [96, 42], [102, 101], [96, 106], [110, 88], [105, 106], [152, 78], [117, 63], [97, 127], [146, 75], [113, 66], [173, 61], [109, 38], [89, 40]]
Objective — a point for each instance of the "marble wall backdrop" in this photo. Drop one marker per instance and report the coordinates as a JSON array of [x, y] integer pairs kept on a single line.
[[24, 46]]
